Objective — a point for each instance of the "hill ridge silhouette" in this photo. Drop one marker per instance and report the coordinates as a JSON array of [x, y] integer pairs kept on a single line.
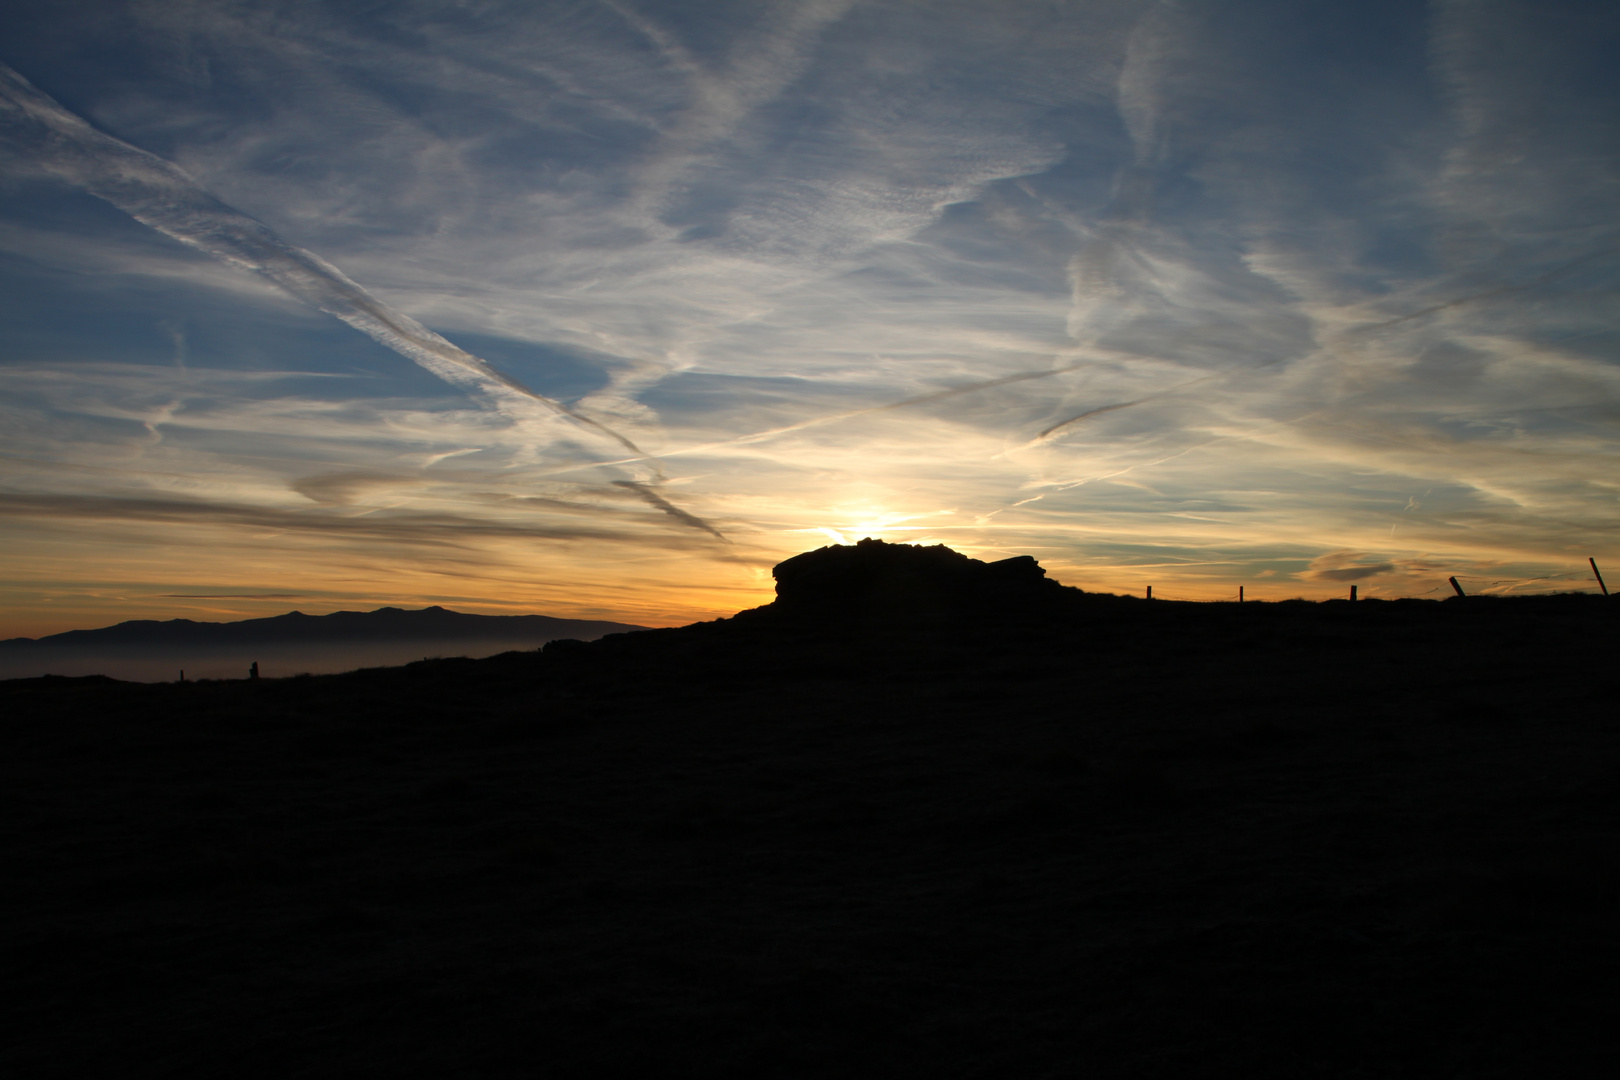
[[382, 623]]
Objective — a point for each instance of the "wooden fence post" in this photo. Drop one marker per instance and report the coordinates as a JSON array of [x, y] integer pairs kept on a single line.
[[1352, 592], [1598, 574], [1458, 587], [1150, 592], [1240, 594]]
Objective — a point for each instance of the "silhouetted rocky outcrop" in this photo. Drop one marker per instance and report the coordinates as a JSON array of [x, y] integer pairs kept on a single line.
[[877, 579]]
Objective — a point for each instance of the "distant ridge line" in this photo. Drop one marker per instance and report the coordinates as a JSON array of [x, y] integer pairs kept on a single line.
[[383, 624]]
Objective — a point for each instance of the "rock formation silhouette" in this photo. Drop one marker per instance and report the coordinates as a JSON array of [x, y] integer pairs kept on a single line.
[[874, 578]]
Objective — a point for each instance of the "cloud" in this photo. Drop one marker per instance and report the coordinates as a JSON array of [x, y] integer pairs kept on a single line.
[[232, 596], [160, 195], [1350, 573], [1139, 288], [398, 527], [1349, 566], [338, 489]]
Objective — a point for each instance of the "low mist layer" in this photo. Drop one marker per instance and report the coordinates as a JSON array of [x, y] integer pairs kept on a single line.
[[166, 664]]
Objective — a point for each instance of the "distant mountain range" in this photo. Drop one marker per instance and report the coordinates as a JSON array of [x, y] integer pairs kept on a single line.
[[150, 650], [384, 624]]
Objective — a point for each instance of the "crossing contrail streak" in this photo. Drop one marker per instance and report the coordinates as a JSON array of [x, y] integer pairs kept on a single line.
[[851, 414], [1536, 282], [652, 498], [1059, 426], [160, 195], [1063, 425]]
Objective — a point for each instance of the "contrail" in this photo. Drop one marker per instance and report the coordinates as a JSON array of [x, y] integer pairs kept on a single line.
[[691, 521], [1489, 294], [922, 399], [160, 195], [834, 418], [1061, 424]]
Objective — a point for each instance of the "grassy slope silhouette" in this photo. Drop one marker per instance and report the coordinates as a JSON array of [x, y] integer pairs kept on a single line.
[[921, 816]]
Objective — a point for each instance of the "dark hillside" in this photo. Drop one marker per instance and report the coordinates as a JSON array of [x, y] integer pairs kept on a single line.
[[922, 816]]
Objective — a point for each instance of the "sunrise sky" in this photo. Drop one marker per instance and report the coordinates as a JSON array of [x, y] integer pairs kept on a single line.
[[601, 308]]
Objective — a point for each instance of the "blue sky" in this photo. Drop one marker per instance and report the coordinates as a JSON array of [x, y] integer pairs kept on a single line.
[[602, 308]]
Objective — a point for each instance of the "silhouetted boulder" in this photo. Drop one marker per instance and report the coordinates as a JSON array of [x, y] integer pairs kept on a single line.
[[874, 578]]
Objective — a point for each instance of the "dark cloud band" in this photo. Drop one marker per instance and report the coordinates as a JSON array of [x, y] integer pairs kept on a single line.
[[433, 530]]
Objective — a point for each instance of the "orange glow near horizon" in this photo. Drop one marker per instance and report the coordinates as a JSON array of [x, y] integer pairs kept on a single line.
[[160, 580]]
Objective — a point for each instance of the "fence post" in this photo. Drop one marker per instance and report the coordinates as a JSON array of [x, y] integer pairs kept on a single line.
[[1240, 594], [1352, 592], [1458, 587], [1598, 574]]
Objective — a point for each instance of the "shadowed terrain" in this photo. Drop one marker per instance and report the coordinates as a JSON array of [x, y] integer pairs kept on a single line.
[[921, 816]]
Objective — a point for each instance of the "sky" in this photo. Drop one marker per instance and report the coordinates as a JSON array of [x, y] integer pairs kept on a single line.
[[600, 308]]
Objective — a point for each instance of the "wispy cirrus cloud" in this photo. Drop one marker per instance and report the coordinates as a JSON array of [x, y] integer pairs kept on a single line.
[[159, 195], [1154, 291]]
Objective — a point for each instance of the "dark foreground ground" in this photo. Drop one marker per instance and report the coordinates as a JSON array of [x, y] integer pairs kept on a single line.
[[1123, 839]]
